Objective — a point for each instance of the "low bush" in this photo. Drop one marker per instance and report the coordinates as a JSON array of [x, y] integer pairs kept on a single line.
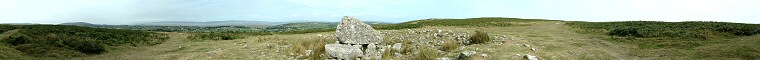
[[4, 28], [625, 31], [68, 41], [223, 35]]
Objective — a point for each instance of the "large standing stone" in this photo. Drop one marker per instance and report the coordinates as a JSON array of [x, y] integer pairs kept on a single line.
[[352, 31], [341, 51]]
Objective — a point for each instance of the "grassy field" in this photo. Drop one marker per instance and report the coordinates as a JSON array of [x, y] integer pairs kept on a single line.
[[510, 39], [679, 40]]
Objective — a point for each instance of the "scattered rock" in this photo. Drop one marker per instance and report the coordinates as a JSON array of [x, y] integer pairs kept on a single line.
[[533, 49], [526, 45], [531, 57]]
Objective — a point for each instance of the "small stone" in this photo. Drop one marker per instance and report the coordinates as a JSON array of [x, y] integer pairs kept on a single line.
[[533, 49], [465, 54], [397, 47], [484, 55], [442, 58], [398, 55], [308, 52], [526, 45], [531, 57]]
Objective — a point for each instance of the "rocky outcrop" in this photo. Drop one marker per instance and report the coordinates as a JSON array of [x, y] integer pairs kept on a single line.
[[355, 40]]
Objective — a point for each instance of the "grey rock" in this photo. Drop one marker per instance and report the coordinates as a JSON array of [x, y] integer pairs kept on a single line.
[[340, 51], [352, 31], [531, 57], [397, 47], [526, 45], [442, 58], [308, 52], [465, 54], [372, 52], [469, 53]]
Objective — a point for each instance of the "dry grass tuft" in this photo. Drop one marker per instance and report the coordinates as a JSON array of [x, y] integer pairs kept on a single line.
[[450, 45], [317, 47], [426, 53], [480, 37]]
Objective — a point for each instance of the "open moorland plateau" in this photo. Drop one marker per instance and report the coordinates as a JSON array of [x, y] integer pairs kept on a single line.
[[426, 39]]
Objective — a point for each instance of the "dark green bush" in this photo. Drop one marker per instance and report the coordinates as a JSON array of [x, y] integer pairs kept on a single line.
[[395, 26], [307, 31], [68, 41], [480, 37], [4, 28], [694, 29], [625, 31], [86, 46]]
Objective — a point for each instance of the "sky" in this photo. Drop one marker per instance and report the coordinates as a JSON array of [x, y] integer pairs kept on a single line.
[[141, 11]]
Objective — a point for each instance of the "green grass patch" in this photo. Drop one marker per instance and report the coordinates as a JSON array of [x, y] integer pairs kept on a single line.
[[694, 29], [223, 36], [695, 39], [476, 22]]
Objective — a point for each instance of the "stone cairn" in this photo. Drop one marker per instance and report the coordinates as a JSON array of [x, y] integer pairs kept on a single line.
[[356, 40]]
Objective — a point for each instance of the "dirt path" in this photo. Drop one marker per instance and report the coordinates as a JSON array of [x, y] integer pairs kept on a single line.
[[561, 32], [146, 52]]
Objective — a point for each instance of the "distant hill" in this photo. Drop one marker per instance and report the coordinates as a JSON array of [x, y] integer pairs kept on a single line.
[[212, 23], [311, 26], [22, 23], [80, 24]]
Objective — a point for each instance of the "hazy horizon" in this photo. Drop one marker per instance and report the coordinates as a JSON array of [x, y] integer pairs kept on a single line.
[[142, 11]]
